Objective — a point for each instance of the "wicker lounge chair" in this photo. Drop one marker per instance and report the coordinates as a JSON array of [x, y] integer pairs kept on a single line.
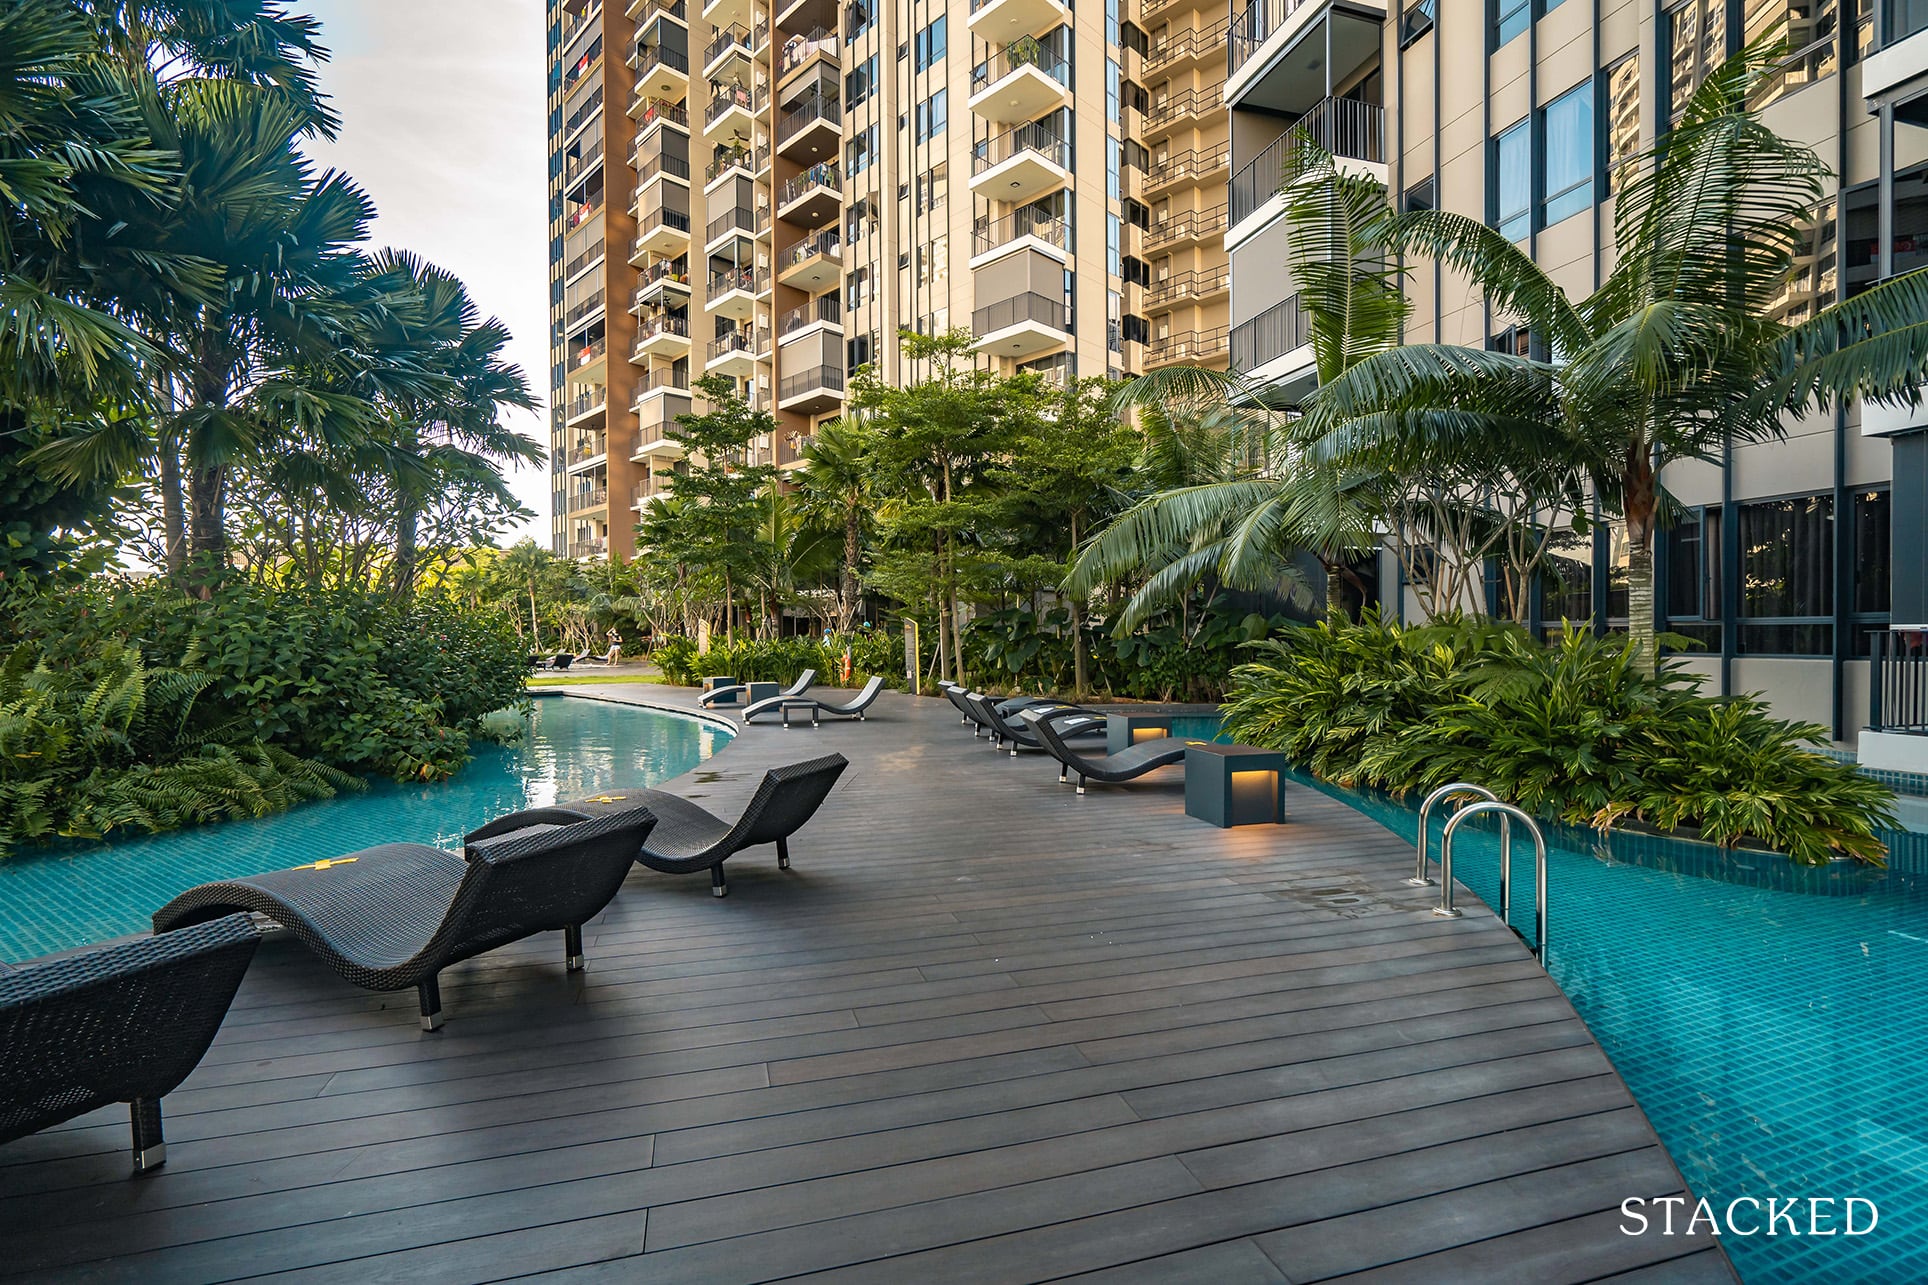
[[390, 917], [689, 838], [805, 681], [816, 707], [1111, 769], [121, 1023], [1070, 720]]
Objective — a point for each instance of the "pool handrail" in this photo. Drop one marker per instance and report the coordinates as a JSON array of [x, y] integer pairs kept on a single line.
[[1457, 788], [1507, 812]]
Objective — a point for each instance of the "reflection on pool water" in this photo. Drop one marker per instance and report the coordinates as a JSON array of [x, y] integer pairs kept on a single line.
[[54, 899], [1769, 1019]]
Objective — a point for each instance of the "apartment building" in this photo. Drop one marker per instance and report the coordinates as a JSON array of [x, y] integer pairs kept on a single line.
[[770, 189], [1793, 562]]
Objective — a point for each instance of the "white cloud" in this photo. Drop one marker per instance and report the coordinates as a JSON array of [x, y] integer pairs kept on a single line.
[[443, 124]]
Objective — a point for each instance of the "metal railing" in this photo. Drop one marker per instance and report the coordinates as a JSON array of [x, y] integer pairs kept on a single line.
[[1191, 284], [822, 174], [589, 352], [826, 241], [733, 97], [1191, 42], [729, 279], [583, 213], [825, 308], [1005, 60], [1035, 137], [1188, 345], [585, 403], [662, 109], [1190, 102], [658, 273], [723, 41], [1252, 24], [798, 50], [589, 107], [1898, 682], [735, 219], [587, 548], [816, 379], [1190, 225], [650, 57], [750, 161], [579, 500], [575, 26], [593, 252], [661, 217], [1345, 127], [653, 381], [667, 324], [812, 109], [1030, 306], [582, 164], [660, 163], [751, 342], [1190, 164], [583, 307], [988, 234], [1280, 329], [582, 66], [651, 433]]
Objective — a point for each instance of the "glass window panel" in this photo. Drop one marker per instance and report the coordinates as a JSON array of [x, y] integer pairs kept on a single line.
[[1872, 553], [1513, 191], [1787, 558], [1510, 18], [1569, 154], [1684, 569], [1623, 116]]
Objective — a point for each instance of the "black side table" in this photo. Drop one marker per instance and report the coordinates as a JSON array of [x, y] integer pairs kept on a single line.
[[1232, 785], [754, 692], [715, 681]]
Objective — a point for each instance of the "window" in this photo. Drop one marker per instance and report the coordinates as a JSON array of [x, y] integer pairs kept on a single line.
[[1419, 196], [1512, 211], [856, 287], [933, 262], [933, 187], [1567, 123], [1137, 271], [1418, 20], [1517, 340], [1693, 577], [1808, 27], [1133, 37], [1114, 160], [931, 43], [860, 151], [857, 353], [858, 221], [1696, 44], [1787, 577], [857, 21], [931, 115], [1136, 157], [861, 82], [1136, 213], [1623, 116], [1113, 263], [1510, 18], [1872, 554]]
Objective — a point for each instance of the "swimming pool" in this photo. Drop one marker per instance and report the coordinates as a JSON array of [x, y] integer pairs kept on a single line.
[[1769, 1019], [54, 899]]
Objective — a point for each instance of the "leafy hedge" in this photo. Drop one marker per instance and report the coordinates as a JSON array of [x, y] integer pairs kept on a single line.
[[1161, 661], [138, 706], [1574, 731], [780, 660]]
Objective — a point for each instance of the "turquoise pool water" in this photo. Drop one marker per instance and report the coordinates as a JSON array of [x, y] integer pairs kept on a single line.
[[70, 896], [1772, 1022]]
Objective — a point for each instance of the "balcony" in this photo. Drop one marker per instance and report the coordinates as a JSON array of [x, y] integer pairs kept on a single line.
[[657, 165], [1275, 348], [991, 238], [639, 11], [1020, 81], [734, 220], [1020, 164], [583, 112], [825, 310], [1020, 326], [580, 167], [811, 130], [1189, 166], [805, 51], [1187, 47], [588, 548], [735, 353], [732, 293], [661, 72], [584, 258], [735, 162], [584, 501], [1284, 53], [1000, 20], [665, 336], [657, 111], [658, 392], [813, 263], [812, 196], [1181, 288], [1191, 347], [585, 406], [1186, 228], [1353, 131], [574, 25], [658, 282], [727, 55], [1899, 68], [811, 391], [652, 438], [734, 110], [583, 212], [661, 231], [583, 356], [585, 62], [1181, 110], [582, 309], [651, 489]]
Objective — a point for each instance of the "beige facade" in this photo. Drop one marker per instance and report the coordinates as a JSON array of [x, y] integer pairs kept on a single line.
[[1514, 112], [771, 191]]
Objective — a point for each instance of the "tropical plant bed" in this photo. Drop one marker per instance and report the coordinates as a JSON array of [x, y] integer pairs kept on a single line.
[[1577, 732]]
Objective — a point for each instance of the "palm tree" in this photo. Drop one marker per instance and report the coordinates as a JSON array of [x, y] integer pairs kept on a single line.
[[836, 489], [1680, 352]]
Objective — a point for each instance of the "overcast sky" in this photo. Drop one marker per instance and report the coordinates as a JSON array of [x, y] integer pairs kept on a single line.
[[442, 123]]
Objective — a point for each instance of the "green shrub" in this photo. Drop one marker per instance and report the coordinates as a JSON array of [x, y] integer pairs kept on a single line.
[[780, 660], [1574, 731]]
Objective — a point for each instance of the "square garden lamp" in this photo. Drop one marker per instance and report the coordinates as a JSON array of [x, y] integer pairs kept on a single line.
[[715, 681], [1232, 785], [1122, 731], [754, 692]]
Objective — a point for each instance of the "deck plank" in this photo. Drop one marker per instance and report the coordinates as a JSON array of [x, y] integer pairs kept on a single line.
[[984, 1029]]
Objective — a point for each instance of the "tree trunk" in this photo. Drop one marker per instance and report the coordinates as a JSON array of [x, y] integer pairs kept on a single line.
[[729, 612], [1640, 503], [535, 624], [852, 550], [173, 509], [1080, 670], [207, 494], [407, 521]]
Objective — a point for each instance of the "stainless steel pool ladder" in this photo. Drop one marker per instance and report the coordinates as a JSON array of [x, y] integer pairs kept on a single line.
[[1457, 790], [1506, 812]]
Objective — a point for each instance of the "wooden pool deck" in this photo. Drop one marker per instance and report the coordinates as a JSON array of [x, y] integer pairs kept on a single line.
[[984, 1030]]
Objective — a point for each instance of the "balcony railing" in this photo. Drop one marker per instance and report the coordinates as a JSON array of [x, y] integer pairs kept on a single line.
[[590, 254], [798, 50], [737, 37], [584, 63], [656, 273], [651, 433], [1190, 102], [1018, 54], [1181, 286], [1189, 345], [662, 377], [587, 548], [732, 279], [1035, 137], [1280, 329], [661, 217], [587, 403], [988, 234], [816, 379], [1252, 24], [752, 342], [587, 353], [1185, 45], [1188, 166], [580, 500], [824, 242], [1028, 307], [822, 174], [813, 108], [660, 163], [735, 219], [1343, 126], [662, 109], [582, 308], [583, 212], [1192, 225], [583, 164], [732, 97], [575, 26], [590, 106], [667, 324], [1898, 683], [826, 308], [650, 57]]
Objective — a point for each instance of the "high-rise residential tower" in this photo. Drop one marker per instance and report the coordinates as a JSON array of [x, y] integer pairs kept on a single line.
[[771, 189], [1791, 560]]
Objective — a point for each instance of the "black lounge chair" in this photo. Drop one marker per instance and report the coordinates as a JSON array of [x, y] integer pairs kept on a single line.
[[689, 838], [1111, 769], [805, 681], [123, 1023], [955, 695], [394, 916], [850, 709], [1070, 720]]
